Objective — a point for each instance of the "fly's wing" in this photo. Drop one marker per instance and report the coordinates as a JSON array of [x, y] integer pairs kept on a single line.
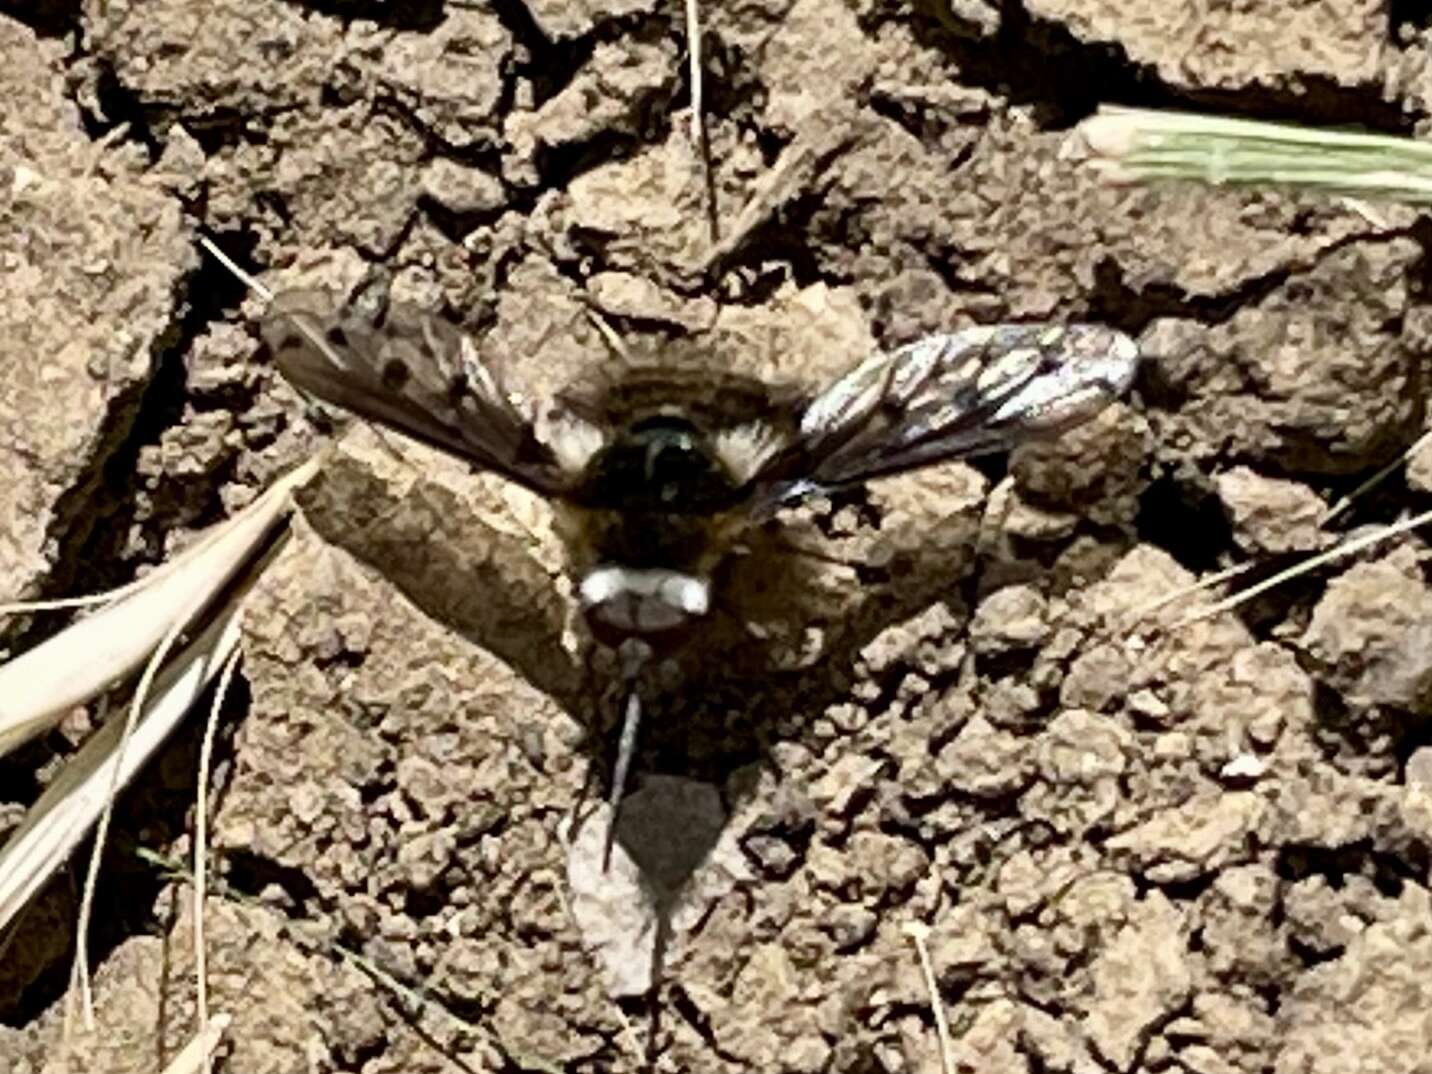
[[947, 397], [422, 376]]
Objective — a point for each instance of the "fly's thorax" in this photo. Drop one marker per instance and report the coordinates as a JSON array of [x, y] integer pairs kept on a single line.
[[661, 463]]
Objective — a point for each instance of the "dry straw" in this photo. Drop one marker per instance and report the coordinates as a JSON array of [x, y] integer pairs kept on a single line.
[[139, 628], [195, 1055], [38, 687], [693, 54], [917, 933]]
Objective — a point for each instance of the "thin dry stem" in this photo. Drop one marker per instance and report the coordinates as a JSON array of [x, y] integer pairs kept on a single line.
[[1188, 590], [198, 1054], [1379, 477], [609, 334], [233, 266], [24, 607], [693, 53], [201, 847], [67, 1029], [937, 1005], [302, 322], [110, 139], [1346, 548], [699, 144], [79, 970], [136, 706], [1292, 572]]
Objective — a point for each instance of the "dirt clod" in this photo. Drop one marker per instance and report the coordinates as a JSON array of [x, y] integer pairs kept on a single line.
[[1270, 516], [1370, 634]]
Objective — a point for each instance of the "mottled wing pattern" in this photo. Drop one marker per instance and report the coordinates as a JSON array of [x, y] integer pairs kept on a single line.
[[947, 397], [422, 376]]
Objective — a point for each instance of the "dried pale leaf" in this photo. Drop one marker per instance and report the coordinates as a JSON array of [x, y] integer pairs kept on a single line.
[[38, 687], [57, 822], [195, 1055]]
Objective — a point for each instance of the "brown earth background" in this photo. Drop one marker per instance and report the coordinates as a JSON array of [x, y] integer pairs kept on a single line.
[[1133, 845]]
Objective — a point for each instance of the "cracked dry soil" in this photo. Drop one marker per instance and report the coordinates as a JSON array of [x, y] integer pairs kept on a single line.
[[1134, 846]]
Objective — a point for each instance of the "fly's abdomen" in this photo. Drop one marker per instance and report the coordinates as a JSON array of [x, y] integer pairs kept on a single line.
[[655, 605]]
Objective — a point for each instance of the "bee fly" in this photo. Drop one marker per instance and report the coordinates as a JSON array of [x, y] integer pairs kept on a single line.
[[654, 483]]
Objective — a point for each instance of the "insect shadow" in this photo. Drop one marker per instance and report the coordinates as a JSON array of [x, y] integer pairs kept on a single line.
[[781, 644]]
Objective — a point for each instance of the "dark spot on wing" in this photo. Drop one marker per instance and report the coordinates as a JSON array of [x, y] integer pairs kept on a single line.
[[336, 336], [396, 374], [458, 389], [291, 342]]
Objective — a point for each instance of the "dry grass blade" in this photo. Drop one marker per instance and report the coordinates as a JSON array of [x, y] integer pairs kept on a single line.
[[1338, 551], [72, 804], [81, 972], [233, 266], [937, 1005], [699, 144], [609, 334], [201, 844], [1379, 477], [38, 687], [199, 1052], [693, 51], [23, 607], [1139, 145], [1212, 580]]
